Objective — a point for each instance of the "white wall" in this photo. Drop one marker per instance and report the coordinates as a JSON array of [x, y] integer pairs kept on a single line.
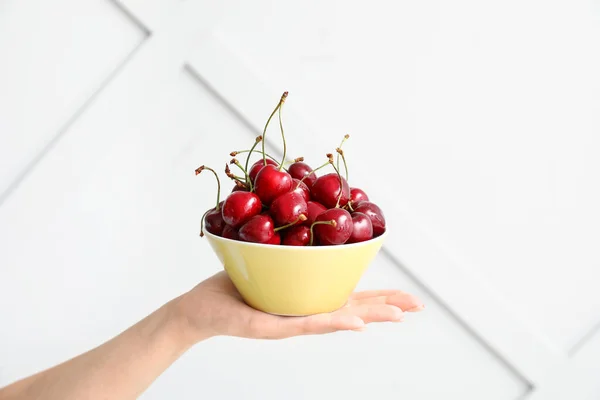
[[474, 124]]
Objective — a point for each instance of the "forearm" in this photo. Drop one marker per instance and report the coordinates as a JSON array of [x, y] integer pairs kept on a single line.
[[121, 368]]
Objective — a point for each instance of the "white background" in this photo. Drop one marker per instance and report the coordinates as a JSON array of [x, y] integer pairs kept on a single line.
[[475, 125]]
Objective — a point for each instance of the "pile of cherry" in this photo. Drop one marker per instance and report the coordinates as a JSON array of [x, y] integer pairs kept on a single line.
[[278, 205]]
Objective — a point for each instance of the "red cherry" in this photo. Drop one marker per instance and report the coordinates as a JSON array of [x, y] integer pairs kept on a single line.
[[275, 239], [258, 229], [299, 170], [357, 195], [259, 165], [213, 221], [362, 228], [372, 211], [271, 183], [287, 208], [229, 232], [301, 188], [239, 207], [239, 187], [298, 235], [313, 210], [338, 233], [326, 190]]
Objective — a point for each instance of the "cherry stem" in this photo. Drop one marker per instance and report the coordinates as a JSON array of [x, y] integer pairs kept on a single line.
[[331, 222], [235, 153], [232, 176], [346, 137], [341, 153], [236, 162], [202, 168], [350, 205], [241, 185], [202, 223], [281, 101], [311, 172], [337, 205], [282, 138], [302, 217], [256, 142]]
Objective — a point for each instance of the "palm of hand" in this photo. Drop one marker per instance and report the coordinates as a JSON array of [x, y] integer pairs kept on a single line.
[[215, 307]]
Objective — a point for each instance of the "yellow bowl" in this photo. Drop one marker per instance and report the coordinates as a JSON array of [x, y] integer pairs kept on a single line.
[[293, 280]]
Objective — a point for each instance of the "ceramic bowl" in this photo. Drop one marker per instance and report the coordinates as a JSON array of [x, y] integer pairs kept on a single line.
[[293, 280]]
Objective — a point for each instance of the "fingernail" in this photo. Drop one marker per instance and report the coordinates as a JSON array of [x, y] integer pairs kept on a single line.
[[364, 328], [398, 315], [417, 308]]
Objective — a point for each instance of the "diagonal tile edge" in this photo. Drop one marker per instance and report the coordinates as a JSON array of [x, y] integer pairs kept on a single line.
[[31, 165]]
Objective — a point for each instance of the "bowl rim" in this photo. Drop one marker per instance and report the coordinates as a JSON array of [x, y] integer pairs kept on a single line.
[[298, 248]]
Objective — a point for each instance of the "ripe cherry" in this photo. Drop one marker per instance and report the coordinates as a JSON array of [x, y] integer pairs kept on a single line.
[[239, 187], [212, 218], [297, 236], [313, 210], [271, 183], [258, 166], [372, 211], [337, 233], [230, 233], [275, 239], [362, 228], [286, 208], [301, 188], [258, 229], [299, 170], [358, 195], [239, 207], [326, 190]]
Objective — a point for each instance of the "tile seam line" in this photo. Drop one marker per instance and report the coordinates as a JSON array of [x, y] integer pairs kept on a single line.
[[61, 132]]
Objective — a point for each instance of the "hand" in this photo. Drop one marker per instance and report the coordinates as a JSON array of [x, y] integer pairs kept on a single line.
[[214, 307]]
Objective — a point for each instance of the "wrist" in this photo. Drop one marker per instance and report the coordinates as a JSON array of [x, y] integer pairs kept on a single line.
[[185, 323]]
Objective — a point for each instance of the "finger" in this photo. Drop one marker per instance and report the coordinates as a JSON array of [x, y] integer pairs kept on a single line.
[[374, 313], [327, 323], [405, 301], [273, 327], [374, 293]]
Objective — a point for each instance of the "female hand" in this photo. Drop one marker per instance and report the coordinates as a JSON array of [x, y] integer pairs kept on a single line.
[[215, 307]]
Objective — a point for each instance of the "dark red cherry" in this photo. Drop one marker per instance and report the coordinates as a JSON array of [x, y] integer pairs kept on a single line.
[[213, 221], [239, 207], [326, 190], [259, 229], [362, 228], [357, 195], [301, 188], [372, 211], [230, 232], [239, 188], [287, 208], [275, 239], [271, 183], [257, 166], [298, 235], [299, 170], [339, 233], [313, 210]]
